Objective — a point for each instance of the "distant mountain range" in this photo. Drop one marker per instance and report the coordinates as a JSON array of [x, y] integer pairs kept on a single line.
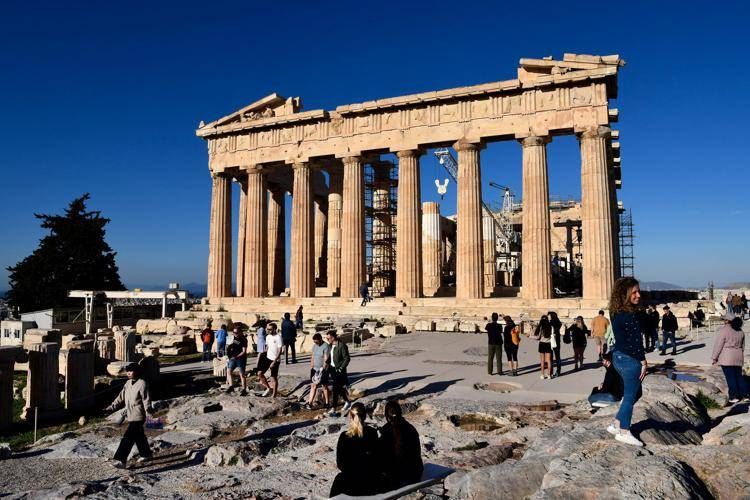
[[659, 285]]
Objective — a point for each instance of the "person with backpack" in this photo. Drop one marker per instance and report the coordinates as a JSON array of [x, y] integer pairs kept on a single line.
[[221, 341], [494, 344], [237, 359], [511, 340], [207, 338]]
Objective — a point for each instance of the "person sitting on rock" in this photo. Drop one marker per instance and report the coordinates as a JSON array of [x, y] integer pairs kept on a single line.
[[400, 448], [137, 401], [237, 359], [610, 390], [358, 458]]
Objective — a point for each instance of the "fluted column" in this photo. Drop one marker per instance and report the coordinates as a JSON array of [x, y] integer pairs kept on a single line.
[[489, 251], [276, 241], [335, 188], [408, 227], [302, 272], [321, 223], [469, 262], [383, 252], [256, 232], [596, 215], [219, 243], [42, 390], [353, 227], [240, 278], [431, 258], [536, 277]]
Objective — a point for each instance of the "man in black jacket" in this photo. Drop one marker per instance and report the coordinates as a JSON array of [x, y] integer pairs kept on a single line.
[[339, 379], [668, 328]]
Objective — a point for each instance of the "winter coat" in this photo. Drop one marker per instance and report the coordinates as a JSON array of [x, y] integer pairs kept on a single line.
[[669, 322], [135, 396], [729, 347]]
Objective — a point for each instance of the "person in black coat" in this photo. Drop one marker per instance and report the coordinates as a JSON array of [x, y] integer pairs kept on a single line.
[[358, 458], [556, 324], [400, 449]]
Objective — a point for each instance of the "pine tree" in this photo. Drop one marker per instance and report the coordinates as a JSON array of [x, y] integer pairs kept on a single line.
[[73, 256]]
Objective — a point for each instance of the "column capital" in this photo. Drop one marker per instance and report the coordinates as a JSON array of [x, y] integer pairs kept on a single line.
[[352, 160], [535, 140], [298, 165], [601, 131], [464, 145], [252, 169], [409, 153]]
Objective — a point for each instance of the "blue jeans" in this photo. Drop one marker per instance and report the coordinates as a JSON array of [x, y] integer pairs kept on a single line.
[[207, 351], [735, 381], [630, 370], [665, 336], [221, 348]]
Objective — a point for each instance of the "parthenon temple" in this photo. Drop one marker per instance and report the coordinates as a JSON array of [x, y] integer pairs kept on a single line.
[[344, 233]]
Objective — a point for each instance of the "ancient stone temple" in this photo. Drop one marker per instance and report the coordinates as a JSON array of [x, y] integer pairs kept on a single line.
[[322, 158]]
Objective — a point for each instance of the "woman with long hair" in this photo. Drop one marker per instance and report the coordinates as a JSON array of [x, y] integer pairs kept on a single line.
[[400, 449], [511, 348], [543, 333], [578, 332], [358, 457], [556, 324], [628, 355], [729, 353]]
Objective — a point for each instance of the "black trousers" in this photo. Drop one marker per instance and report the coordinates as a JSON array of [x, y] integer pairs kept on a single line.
[[134, 435], [556, 358], [289, 344], [339, 381]]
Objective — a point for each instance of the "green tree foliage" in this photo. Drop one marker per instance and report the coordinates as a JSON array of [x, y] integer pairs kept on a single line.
[[73, 256]]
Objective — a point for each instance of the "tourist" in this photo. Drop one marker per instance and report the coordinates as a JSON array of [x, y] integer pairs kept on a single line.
[[135, 397], [578, 333], [543, 333], [511, 340], [494, 344], [668, 329], [260, 337], [628, 355], [610, 390], [237, 359], [652, 327], [207, 338], [598, 328], [400, 449], [728, 302], [298, 318], [358, 458], [556, 325], [364, 292], [320, 361], [289, 338], [737, 305], [743, 305], [272, 360], [221, 341], [700, 316], [339, 379], [729, 353]]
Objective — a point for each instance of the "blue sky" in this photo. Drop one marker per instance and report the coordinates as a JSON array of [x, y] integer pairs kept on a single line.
[[105, 97]]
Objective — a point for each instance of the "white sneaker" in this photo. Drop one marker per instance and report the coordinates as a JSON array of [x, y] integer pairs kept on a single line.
[[266, 393], [542, 377], [734, 400], [346, 407], [627, 438], [613, 429]]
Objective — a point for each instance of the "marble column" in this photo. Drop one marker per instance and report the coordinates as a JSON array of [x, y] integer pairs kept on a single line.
[[408, 227], [302, 271], [596, 215], [353, 227], [469, 261], [335, 188], [536, 276], [256, 232], [220, 246], [488, 252], [431, 258], [321, 223], [240, 278], [382, 231], [42, 390], [9, 355], [125, 341], [276, 241], [79, 376]]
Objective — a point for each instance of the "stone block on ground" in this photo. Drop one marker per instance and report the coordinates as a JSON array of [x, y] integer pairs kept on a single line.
[[424, 325], [177, 351], [117, 368], [231, 453], [446, 325], [390, 330], [151, 326], [469, 326], [175, 340]]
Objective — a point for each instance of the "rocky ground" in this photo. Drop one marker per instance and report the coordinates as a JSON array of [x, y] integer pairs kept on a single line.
[[222, 445]]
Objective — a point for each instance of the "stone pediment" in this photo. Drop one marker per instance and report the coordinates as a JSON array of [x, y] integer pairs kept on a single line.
[[271, 106], [532, 69]]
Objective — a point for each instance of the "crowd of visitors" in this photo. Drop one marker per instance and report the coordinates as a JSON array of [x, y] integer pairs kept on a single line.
[[736, 304]]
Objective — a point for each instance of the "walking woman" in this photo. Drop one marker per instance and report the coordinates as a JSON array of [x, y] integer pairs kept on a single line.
[[510, 345], [358, 458], [627, 354], [135, 397], [578, 332], [729, 353], [543, 333], [556, 324]]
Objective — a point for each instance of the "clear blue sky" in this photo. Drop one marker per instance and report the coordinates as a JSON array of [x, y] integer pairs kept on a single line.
[[105, 97]]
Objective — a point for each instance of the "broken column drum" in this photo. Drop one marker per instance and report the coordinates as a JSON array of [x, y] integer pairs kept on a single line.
[[431, 258], [42, 387]]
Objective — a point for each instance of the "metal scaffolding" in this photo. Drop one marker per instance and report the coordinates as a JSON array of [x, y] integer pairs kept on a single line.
[[627, 259], [381, 186]]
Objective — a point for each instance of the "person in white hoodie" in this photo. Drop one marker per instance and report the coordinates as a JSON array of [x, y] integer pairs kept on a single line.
[[137, 401]]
